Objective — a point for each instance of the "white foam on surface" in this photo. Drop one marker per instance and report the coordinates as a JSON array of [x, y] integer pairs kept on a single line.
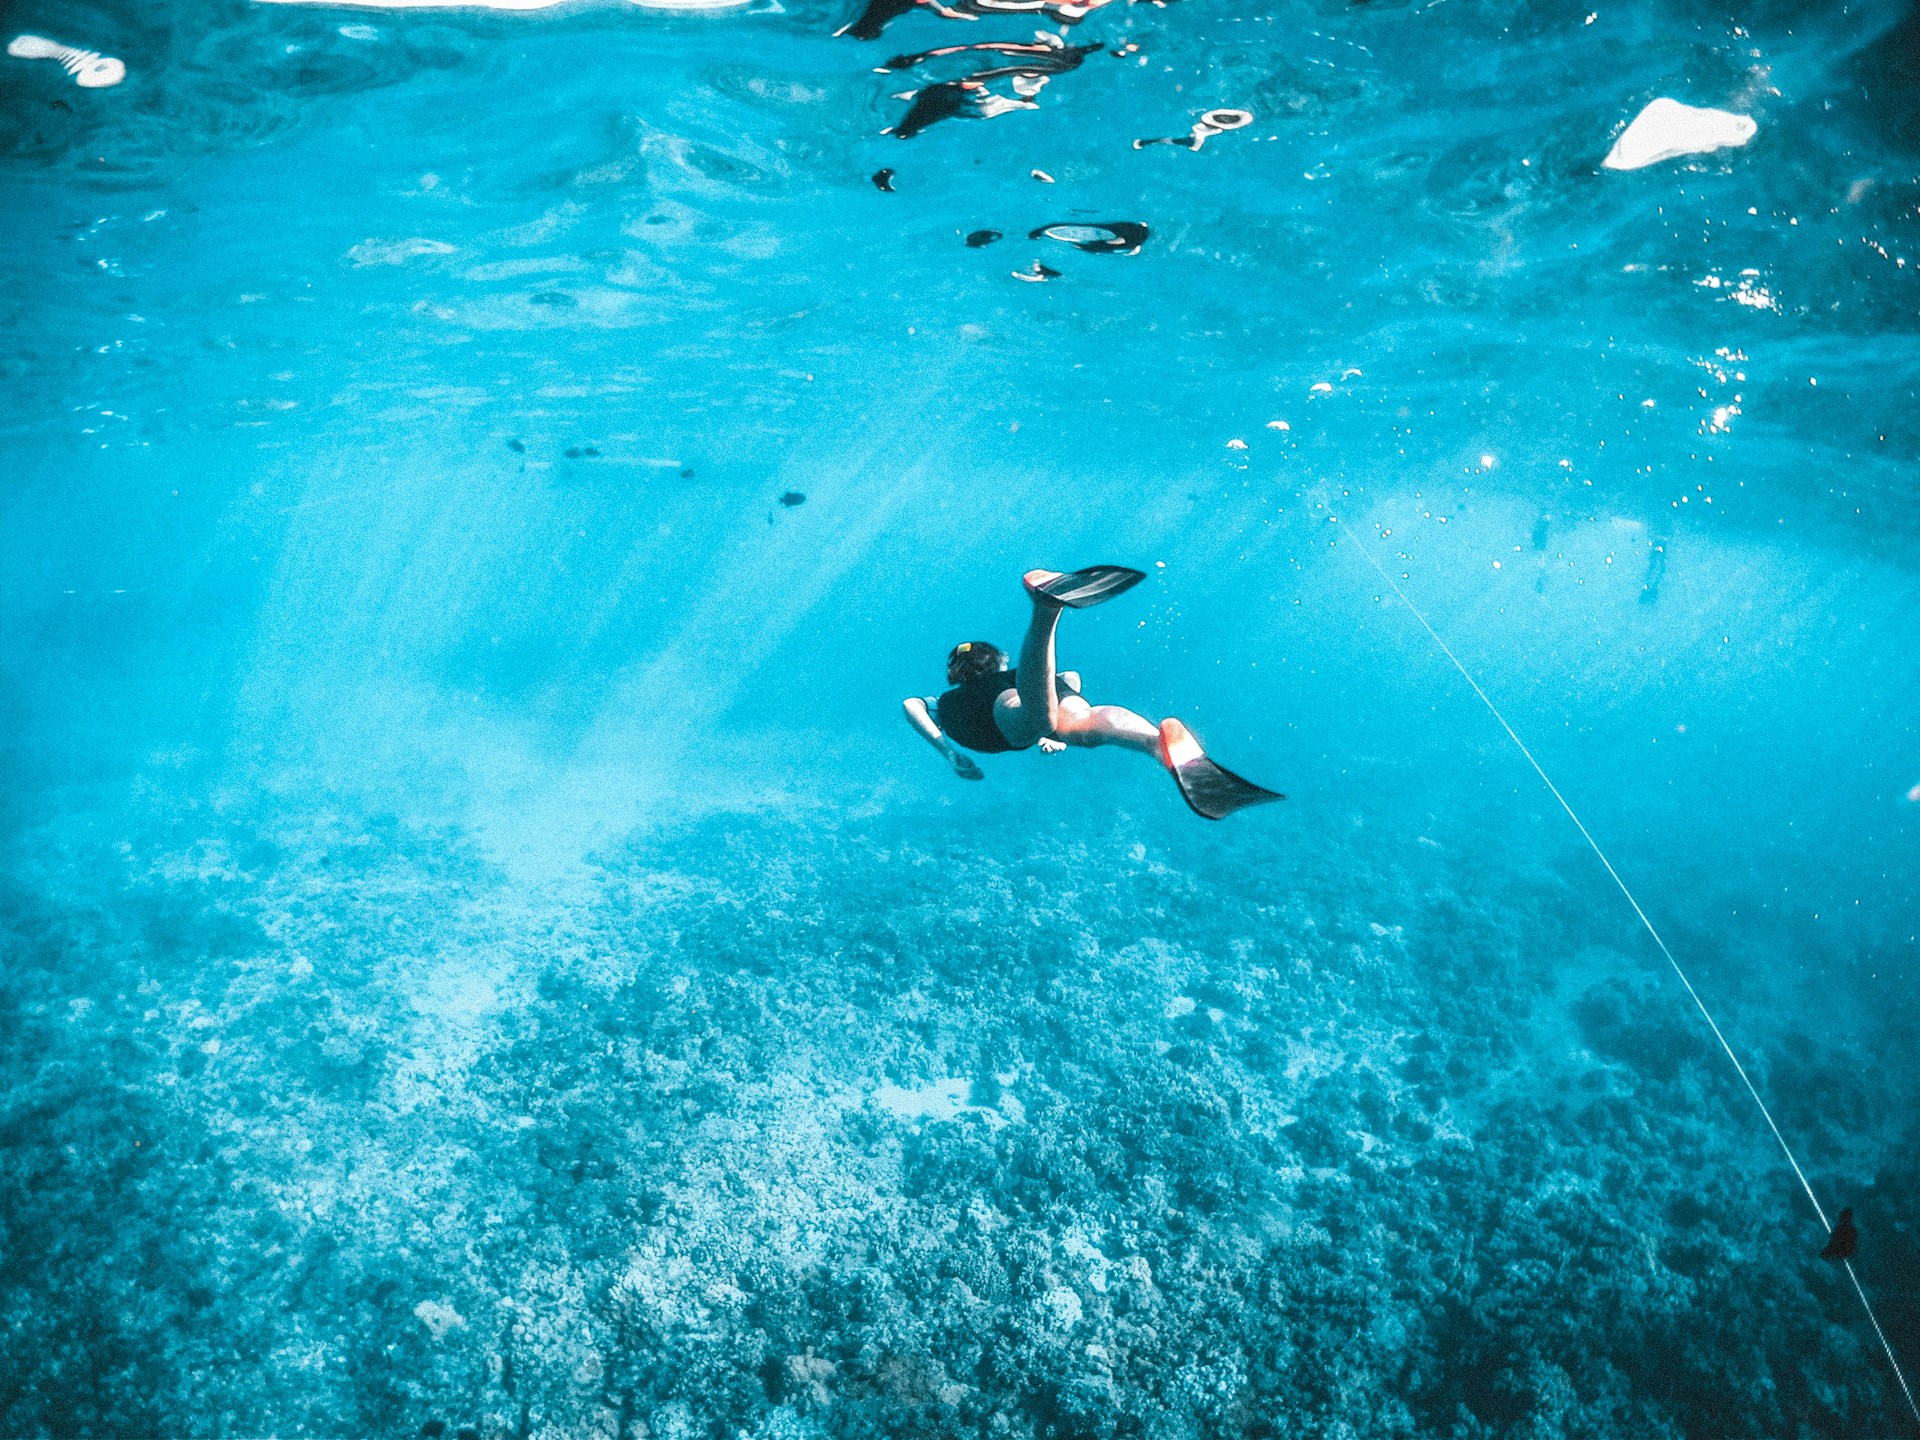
[[425, 4], [1666, 130], [505, 4], [90, 69]]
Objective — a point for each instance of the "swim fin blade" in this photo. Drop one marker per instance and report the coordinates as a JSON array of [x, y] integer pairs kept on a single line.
[[1211, 791], [1094, 585]]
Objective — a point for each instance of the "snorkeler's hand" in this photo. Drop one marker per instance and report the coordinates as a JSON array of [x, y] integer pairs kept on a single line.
[[966, 769], [1051, 746]]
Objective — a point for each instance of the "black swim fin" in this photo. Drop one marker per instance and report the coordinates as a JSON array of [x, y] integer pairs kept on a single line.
[[1094, 585], [1211, 791]]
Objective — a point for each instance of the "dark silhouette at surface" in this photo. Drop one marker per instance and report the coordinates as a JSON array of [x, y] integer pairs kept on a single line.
[[880, 13], [1101, 237], [1045, 54], [1031, 65], [934, 104], [875, 18]]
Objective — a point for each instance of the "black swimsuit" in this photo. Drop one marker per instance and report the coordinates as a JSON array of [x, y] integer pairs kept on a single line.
[[965, 712]]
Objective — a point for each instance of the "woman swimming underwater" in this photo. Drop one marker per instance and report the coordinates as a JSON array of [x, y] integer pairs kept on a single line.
[[992, 709]]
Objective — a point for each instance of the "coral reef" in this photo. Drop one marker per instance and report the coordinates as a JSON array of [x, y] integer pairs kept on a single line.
[[792, 1127]]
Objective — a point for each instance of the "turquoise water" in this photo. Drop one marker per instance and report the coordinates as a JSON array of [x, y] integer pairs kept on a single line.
[[483, 951]]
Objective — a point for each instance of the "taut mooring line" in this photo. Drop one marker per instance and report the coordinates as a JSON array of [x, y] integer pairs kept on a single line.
[[1699, 1004]]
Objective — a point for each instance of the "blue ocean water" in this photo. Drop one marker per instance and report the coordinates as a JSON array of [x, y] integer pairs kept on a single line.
[[483, 952]]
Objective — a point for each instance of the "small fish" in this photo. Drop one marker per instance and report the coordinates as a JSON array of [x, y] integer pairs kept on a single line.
[[1844, 1240], [982, 237], [883, 180], [581, 452], [686, 474], [519, 447], [793, 498]]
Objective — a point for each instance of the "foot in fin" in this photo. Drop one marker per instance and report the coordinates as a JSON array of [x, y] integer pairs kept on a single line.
[[1844, 1240], [1079, 589], [1210, 790]]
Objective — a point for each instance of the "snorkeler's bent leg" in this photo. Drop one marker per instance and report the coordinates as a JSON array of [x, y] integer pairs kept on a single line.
[[1092, 725], [1038, 711]]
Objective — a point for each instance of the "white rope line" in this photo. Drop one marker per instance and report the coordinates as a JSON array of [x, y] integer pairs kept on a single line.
[[1699, 1004], [1898, 1373]]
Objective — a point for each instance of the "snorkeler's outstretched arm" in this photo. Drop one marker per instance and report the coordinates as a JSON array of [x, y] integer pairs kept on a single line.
[[921, 719]]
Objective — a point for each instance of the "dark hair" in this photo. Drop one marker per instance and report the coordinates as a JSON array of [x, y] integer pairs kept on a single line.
[[971, 659]]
